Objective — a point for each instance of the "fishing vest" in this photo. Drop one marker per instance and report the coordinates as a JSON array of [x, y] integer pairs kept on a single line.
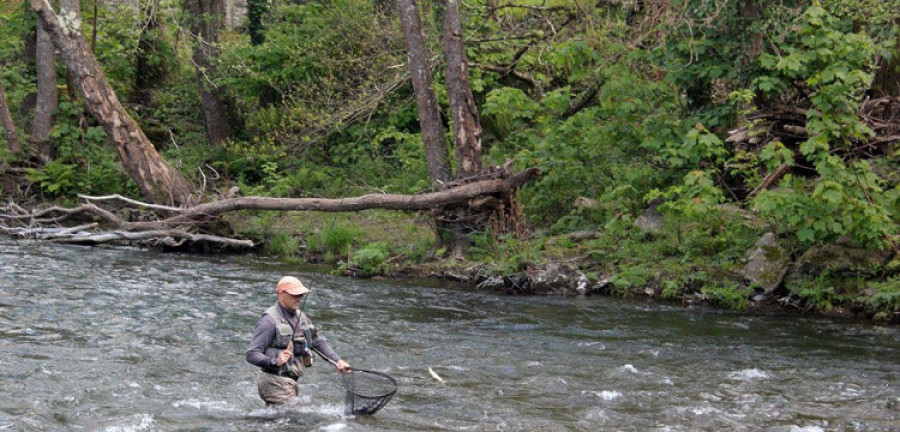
[[284, 334]]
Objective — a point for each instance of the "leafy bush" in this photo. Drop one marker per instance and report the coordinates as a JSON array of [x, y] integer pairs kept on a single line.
[[847, 199], [821, 291], [728, 294], [883, 297], [370, 259], [335, 239], [283, 244], [55, 178]]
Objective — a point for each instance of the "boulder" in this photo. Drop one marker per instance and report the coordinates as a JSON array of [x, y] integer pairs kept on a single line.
[[839, 258], [650, 221], [560, 279], [766, 264]]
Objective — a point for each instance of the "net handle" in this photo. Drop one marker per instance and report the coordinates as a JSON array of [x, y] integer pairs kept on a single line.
[[333, 363]]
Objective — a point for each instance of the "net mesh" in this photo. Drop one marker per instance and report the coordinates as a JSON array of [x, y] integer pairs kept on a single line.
[[367, 391]]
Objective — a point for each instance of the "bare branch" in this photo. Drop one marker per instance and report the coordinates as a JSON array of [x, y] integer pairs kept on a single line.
[[130, 201]]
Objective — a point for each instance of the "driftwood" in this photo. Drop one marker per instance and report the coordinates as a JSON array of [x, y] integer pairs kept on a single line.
[[177, 226]]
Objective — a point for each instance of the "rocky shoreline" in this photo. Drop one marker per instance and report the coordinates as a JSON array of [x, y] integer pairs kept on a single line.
[[768, 271]]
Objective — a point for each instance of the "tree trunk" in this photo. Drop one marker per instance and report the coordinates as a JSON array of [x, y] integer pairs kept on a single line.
[[887, 76], [426, 102], [205, 20], [27, 105], [181, 226], [455, 223], [158, 182], [47, 96], [12, 135], [256, 13], [149, 72], [94, 25], [466, 125], [66, 7]]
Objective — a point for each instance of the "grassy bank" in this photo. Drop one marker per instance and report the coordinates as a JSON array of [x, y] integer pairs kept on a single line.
[[685, 262]]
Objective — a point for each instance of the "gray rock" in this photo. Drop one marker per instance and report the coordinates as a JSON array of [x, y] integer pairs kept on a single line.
[[561, 279], [650, 221], [767, 264], [839, 258]]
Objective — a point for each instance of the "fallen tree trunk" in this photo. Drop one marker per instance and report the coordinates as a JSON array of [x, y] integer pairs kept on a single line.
[[182, 223]]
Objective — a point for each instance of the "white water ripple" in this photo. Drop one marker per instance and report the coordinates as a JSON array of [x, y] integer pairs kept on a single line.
[[748, 375], [606, 395]]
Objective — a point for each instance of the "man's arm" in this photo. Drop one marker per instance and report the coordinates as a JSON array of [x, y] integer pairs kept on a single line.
[[322, 346], [262, 335]]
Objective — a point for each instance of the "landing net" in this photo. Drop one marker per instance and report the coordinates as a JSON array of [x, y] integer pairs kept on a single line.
[[367, 391]]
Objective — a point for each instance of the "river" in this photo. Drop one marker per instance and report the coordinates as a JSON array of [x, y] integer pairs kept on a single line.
[[118, 339]]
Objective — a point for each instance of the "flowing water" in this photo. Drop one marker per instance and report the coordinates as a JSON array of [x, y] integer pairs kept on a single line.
[[98, 339]]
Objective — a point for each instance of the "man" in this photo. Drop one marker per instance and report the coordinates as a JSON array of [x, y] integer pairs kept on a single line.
[[281, 339]]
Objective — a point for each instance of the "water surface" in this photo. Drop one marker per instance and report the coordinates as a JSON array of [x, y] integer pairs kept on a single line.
[[102, 339]]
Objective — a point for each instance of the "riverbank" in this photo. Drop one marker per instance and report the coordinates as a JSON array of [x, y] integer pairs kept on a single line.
[[733, 262]]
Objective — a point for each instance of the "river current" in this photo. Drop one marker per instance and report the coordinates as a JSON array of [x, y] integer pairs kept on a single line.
[[117, 339]]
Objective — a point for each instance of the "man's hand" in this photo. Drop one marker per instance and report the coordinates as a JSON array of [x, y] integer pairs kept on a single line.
[[342, 366], [283, 357]]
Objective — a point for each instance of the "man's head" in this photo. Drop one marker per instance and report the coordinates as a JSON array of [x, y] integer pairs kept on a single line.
[[290, 292]]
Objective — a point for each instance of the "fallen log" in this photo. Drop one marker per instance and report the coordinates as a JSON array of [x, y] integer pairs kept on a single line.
[[173, 226]]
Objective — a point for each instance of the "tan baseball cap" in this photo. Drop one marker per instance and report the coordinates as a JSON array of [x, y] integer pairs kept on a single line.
[[290, 285]]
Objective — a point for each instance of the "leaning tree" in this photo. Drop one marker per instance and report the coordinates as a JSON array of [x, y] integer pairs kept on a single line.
[[157, 180]]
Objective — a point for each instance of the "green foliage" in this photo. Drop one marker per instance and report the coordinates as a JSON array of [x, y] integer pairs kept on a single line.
[[84, 165], [847, 202], [315, 57], [774, 154], [509, 109], [573, 59], [699, 145], [370, 260], [694, 198], [820, 291], [278, 183], [728, 295], [506, 253], [400, 155], [335, 239], [883, 297], [117, 43], [601, 152], [283, 244], [55, 178], [632, 278], [847, 199]]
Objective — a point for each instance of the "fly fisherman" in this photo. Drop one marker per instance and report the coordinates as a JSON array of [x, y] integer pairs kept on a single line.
[[281, 342]]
